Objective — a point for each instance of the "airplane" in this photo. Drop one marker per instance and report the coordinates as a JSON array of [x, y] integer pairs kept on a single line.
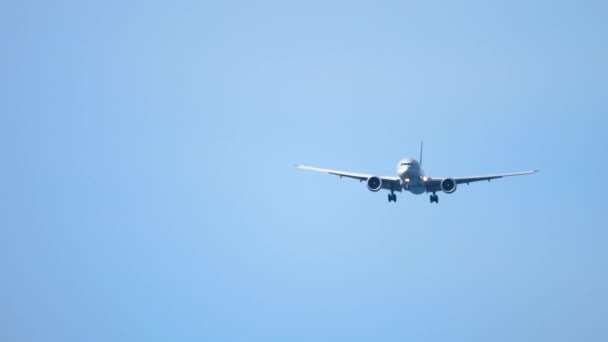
[[410, 177]]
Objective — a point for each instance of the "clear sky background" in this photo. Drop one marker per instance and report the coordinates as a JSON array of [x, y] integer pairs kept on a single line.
[[148, 191]]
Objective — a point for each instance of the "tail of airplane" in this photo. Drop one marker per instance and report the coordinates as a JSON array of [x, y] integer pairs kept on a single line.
[[421, 144]]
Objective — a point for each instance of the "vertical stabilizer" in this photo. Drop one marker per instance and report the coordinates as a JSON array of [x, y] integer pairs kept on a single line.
[[421, 145]]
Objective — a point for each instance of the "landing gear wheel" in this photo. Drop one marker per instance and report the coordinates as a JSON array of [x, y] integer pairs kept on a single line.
[[392, 198], [434, 199]]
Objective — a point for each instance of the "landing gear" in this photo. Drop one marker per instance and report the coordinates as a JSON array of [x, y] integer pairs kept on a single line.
[[434, 198], [392, 197]]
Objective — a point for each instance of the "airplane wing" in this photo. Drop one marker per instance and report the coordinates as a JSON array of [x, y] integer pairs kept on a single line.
[[387, 181], [434, 184]]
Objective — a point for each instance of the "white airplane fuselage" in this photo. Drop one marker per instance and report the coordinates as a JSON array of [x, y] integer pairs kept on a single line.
[[411, 175]]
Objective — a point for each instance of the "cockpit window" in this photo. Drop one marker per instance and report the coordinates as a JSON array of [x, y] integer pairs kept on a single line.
[[406, 164]]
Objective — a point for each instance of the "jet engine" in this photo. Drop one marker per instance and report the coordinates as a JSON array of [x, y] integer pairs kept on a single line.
[[448, 185], [374, 183]]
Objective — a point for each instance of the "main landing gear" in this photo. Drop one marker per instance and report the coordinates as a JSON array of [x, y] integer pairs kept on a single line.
[[392, 197], [434, 198]]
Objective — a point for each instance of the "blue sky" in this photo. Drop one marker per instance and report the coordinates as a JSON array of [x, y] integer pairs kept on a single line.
[[148, 188]]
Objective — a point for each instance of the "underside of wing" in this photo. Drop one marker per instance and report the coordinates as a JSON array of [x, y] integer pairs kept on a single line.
[[359, 176], [387, 182], [435, 183], [461, 180]]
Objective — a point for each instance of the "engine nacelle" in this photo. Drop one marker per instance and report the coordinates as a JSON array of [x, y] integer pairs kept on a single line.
[[374, 183], [448, 185]]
